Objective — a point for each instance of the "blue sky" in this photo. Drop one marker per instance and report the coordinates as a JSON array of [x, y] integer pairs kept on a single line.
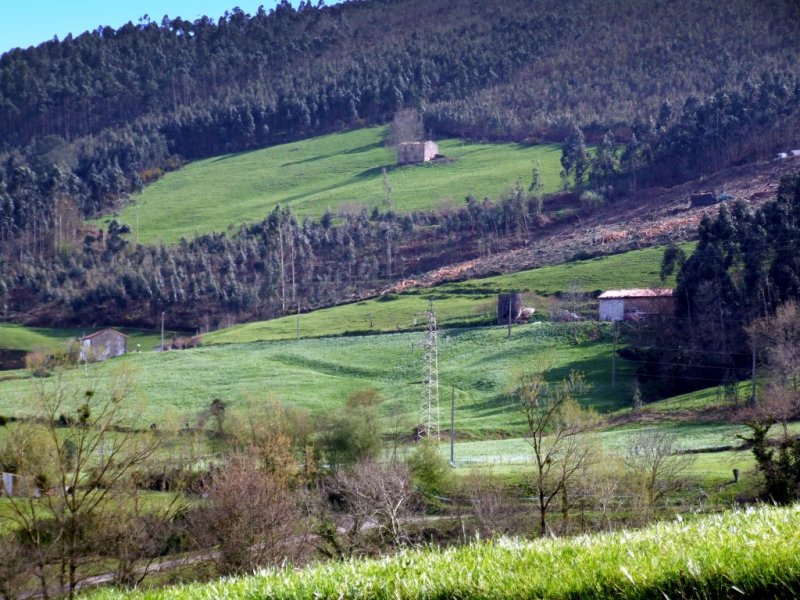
[[26, 23]]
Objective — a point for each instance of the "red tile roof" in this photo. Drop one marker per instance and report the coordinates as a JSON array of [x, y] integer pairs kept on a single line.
[[638, 293], [96, 333]]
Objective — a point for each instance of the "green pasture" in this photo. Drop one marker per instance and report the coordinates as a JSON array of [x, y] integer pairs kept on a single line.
[[689, 436], [341, 171], [460, 303], [706, 398], [21, 337], [478, 365], [753, 553]]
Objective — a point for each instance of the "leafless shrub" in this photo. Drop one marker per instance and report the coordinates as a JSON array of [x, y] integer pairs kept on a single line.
[[373, 496], [496, 511], [250, 520], [15, 567], [654, 465], [137, 535], [38, 363]]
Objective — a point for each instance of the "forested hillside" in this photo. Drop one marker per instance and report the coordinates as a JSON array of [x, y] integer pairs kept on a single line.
[[674, 89], [124, 103]]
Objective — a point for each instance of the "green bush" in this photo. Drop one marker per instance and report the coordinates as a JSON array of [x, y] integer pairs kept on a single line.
[[429, 471], [591, 200], [354, 433]]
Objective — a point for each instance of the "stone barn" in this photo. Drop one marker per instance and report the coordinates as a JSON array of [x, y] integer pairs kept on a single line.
[[103, 344], [509, 308], [416, 152], [632, 305]]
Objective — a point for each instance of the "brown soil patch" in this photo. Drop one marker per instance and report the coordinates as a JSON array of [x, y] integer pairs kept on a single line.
[[649, 217]]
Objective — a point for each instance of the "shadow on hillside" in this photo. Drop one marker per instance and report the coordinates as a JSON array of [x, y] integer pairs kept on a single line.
[[375, 172], [234, 155], [364, 148], [358, 150], [493, 406], [310, 159], [596, 370]]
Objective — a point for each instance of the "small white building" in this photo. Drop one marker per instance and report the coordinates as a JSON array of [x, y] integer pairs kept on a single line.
[[635, 304], [104, 344], [416, 152], [14, 485]]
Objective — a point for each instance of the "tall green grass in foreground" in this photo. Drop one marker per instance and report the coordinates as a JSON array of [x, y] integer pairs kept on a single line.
[[753, 554]]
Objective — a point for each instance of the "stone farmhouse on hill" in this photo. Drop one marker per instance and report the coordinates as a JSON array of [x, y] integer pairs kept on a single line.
[[416, 152], [635, 304], [104, 344]]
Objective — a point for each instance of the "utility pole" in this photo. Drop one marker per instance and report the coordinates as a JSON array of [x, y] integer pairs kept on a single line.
[[429, 403], [162, 330], [614, 358], [453, 427], [753, 378], [298, 319]]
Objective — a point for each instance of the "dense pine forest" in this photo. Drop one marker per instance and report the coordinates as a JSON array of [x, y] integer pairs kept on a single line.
[[674, 90]]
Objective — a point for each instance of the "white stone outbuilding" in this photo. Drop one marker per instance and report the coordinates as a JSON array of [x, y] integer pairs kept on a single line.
[[416, 152], [104, 344], [635, 304]]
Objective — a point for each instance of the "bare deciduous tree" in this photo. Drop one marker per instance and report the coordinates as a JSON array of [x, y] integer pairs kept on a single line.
[[556, 428], [604, 485], [778, 404], [777, 337], [653, 461], [137, 535], [87, 449], [406, 126]]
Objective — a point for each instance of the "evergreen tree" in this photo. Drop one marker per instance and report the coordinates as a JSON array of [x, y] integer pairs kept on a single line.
[[574, 155]]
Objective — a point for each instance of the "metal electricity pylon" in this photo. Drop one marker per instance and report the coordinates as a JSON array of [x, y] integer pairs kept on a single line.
[[429, 404]]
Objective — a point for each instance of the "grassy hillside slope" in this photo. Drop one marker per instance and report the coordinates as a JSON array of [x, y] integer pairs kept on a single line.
[[462, 302], [331, 171], [20, 337], [754, 554], [479, 364]]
